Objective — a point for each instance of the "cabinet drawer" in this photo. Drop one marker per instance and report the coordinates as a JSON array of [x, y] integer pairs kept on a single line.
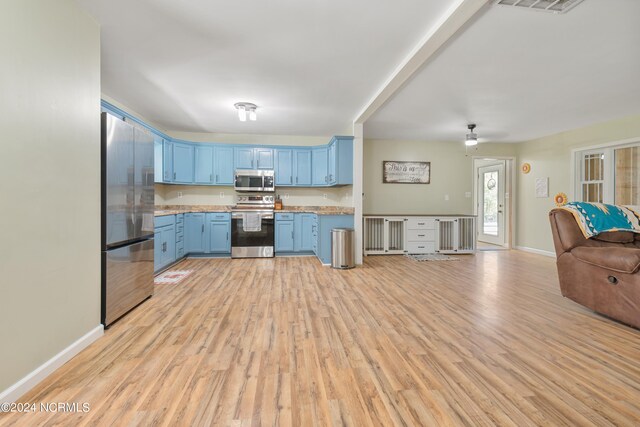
[[221, 216], [421, 235], [179, 237], [179, 218], [179, 227], [421, 247], [421, 224], [179, 252], [284, 217], [162, 221]]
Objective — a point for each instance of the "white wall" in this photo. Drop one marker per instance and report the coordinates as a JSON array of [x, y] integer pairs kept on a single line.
[[49, 182], [451, 174], [550, 157]]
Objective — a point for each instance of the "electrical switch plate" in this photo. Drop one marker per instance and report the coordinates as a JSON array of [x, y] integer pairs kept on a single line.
[[222, 194], [446, 197]]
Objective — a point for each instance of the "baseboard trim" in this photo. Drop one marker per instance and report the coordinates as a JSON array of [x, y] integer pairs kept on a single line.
[[536, 251], [32, 379]]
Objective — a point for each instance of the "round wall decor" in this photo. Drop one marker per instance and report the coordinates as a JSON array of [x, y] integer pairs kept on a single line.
[[526, 168], [560, 199]]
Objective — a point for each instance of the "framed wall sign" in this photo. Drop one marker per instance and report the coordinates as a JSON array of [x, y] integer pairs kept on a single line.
[[406, 172]]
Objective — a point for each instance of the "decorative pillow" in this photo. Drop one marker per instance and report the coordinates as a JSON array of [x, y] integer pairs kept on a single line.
[[596, 218]]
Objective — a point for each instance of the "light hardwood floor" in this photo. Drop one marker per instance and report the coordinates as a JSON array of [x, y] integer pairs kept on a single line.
[[487, 340]]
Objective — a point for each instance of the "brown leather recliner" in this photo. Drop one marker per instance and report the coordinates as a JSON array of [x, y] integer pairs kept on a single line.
[[601, 273]]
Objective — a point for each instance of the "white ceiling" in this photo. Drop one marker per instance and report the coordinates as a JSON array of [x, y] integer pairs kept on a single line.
[[521, 74], [309, 65]]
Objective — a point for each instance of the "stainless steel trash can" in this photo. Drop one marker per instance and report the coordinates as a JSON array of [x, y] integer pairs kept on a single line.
[[343, 253]]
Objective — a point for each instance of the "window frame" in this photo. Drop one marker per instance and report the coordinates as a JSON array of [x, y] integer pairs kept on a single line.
[[608, 149]]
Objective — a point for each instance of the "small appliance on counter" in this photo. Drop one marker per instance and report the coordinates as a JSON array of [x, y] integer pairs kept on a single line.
[[278, 204], [253, 226]]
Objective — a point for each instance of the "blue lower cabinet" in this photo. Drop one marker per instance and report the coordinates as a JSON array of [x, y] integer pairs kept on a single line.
[[164, 247], [326, 223], [303, 232], [194, 233], [219, 233], [164, 244], [157, 250], [284, 236]]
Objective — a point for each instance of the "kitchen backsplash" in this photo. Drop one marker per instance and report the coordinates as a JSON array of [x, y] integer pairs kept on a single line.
[[205, 195]]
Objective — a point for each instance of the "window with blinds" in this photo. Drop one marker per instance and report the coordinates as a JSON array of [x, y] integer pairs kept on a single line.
[[609, 174], [593, 177], [627, 176]]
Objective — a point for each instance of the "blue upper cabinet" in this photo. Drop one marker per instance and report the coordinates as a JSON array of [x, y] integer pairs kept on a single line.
[[264, 158], [223, 161], [182, 163], [331, 164], [302, 167], [167, 161], [243, 157], [284, 166], [253, 158], [157, 159], [341, 160], [319, 166], [204, 164]]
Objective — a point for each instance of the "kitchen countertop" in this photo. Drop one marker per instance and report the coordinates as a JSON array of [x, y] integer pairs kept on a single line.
[[437, 215], [181, 209], [319, 210]]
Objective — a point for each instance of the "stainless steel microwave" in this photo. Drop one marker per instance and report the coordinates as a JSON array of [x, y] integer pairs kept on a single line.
[[254, 180]]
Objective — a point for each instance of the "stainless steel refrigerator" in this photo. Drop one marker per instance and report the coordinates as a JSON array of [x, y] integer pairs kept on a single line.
[[127, 217]]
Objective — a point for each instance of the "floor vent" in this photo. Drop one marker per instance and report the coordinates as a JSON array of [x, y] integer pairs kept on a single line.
[[554, 6]]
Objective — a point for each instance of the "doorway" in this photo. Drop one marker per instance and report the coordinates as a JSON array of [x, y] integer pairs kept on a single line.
[[493, 208]]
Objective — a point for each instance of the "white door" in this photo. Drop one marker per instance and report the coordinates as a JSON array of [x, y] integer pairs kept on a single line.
[[491, 204]]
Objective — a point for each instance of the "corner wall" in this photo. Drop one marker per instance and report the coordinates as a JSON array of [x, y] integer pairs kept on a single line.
[[551, 157], [50, 182]]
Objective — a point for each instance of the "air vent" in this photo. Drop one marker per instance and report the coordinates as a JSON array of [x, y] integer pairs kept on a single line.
[[553, 6]]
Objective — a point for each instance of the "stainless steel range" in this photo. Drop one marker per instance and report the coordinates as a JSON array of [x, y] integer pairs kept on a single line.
[[252, 226]]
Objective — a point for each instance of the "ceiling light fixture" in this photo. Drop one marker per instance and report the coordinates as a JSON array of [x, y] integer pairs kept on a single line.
[[244, 108], [472, 138]]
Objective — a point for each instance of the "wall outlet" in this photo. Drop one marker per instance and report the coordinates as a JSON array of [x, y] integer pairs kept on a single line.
[[446, 197], [179, 194], [324, 196], [467, 194], [222, 194], [286, 196]]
